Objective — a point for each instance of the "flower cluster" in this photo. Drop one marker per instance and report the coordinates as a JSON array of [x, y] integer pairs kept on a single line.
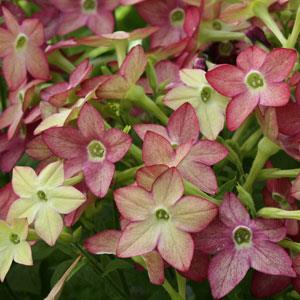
[[150, 135]]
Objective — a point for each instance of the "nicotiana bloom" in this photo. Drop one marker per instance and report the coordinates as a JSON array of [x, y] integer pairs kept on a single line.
[[178, 146], [20, 48], [13, 245], [43, 199], [240, 243], [258, 79], [90, 149], [209, 105], [162, 218], [95, 14]]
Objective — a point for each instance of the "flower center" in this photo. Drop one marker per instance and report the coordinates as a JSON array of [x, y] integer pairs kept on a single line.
[[225, 49], [96, 151], [242, 236], [14, 238], [21, 41], [88, 5], [206, 94], [255, 80], [216, 25], [161, 214], [42, 196], [177, 16]]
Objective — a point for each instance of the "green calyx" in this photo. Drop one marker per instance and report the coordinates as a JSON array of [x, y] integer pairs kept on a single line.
[[42, 196], [242, 235], [255, 80], [161, 214], [177, 17], [14, 238], [206, 94], [89, 5], [21, 41], [96, 151], [217, 25]]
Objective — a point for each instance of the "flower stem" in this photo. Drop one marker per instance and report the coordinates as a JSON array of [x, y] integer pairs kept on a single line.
[[292, 39], [278, 213], [272, 173], [74, 180], [290, 245], [266, 148], [136, 152], [251, 142], [181, 282], [60, 61], [123, 176], [170, 290], [240, 132], [260, 10], [121, 50], [209, 35]]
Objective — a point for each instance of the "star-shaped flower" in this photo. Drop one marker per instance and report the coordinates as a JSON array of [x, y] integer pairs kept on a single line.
[[43, 199]]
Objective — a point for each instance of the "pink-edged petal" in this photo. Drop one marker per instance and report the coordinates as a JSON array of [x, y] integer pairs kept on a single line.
[[232, 211], [228, 80], [200, 175], [193, 214], [73, 166], [155, 267], [90, 122], [176, 247], [11, 22], [239, 108], [207, 152], [183, 125], [37, 67], [71, 22], [101, 23], [288, 118], [114, 87], [167, 36], [146, 176], [157, 150], [226, 271], [33, 28], [7, 197], [8, 115], [98, 176], [22, 254], [141, 130], [134, 65], [139, 238], [6, 42], [64, 142], [278, 64], [215, 238], [272, 230], [251, 58], [168, 188], [104, 242], [270, 258], [134, 203], [80, 73], [265, 285], [117, 144], [275, 94]]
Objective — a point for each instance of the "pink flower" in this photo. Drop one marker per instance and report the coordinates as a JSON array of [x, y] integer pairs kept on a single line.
[[175, 19], [20, 48], [177, 146], [7, 197], [257, 80], [240, 243], [95, 14], [162, 219], [90, 149]]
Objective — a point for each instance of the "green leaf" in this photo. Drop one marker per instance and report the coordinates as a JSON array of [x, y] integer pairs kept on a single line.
[[116, 264]]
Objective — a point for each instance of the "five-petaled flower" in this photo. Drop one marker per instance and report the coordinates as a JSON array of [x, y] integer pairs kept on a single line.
[[257, 80], [43, 198], [240, 243], [20, 48], [162, 218]]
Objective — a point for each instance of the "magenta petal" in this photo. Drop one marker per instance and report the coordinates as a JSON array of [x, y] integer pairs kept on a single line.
[[73, 166], [90, 122], [81, 72], [270, 258], [251, 58], [98, 176], [104, 242], [155, 267], [265, 285], [232, 211], [275, 94], [239, 108], [228, 80], [7, 197], [141, 130], [288, 118], [226, 271], [101, 23], [272, 230], [278, 64], [183, 125], [117, 144]]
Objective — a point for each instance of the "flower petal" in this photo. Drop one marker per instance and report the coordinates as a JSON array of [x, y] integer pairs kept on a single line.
[[52, 175], [24, 181], [22, 254], [168, 188], [193, 77], [134, 203], [251, 58], [272, 230], [176, 247], [155, 267], [180, 95], [193, 214], [275, 94], [24, 208], [115, 87], [6, 259], [139, 238], [142, 129], [101, 23], [48, 225], [270, 258]]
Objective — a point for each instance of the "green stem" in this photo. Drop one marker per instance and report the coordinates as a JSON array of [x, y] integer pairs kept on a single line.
[[251, 142], [241, 131], [181, 282], [121, 50], [290, 245], [261, 11], [74, 180], [278, 213], [170, 290], [60, 61], [209, 35], [266, 148], [292, 39], [273, 173], [123, 176], [136, 152]]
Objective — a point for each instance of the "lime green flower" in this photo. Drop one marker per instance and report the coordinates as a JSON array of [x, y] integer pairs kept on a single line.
[[13, 245], [43, 199]]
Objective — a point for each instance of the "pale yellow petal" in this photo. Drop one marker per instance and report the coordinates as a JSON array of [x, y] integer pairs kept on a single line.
[[22, 254], [52, 175], [24, 181], [6, 258], [24, 208], [193, 77]]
